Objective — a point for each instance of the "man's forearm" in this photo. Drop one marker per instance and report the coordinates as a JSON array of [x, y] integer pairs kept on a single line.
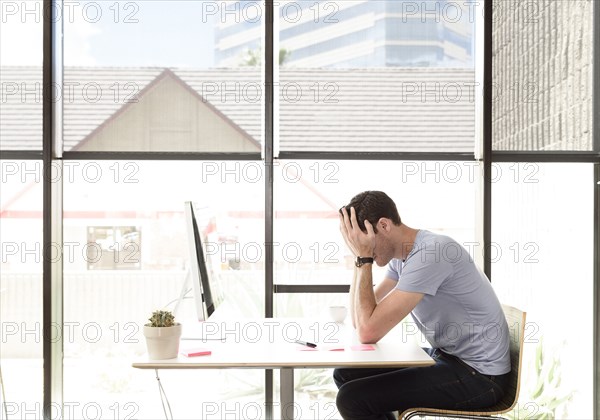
[[352, 302], [364, 300]]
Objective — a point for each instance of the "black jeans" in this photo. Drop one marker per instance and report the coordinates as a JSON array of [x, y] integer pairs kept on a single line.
[[373, 394]]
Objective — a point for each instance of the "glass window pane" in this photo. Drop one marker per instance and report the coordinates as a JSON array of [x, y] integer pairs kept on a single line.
[[21, 343], [376, 75], [132, 85], [136, 213], [21, 75], [314, 389], [308, 194], [542, 253], [542, 72], [309, 248]]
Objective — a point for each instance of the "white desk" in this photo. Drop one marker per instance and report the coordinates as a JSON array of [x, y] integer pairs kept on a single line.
[[271, 350]]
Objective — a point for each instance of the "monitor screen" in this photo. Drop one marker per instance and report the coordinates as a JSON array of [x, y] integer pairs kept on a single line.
[[200, 271]]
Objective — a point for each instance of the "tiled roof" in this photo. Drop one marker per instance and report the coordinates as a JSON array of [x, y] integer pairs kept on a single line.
[[388, 109], [20, 114]]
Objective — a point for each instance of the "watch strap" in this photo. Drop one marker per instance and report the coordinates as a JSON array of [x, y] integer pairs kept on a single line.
[[360, 261]]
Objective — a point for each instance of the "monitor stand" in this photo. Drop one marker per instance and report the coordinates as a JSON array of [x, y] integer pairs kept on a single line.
[[198, 300], [202, 329]]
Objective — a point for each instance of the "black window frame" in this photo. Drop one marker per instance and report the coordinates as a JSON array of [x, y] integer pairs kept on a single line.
[[52, 198]]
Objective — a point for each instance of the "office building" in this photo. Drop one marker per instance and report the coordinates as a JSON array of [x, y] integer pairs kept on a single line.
[[353, 34]]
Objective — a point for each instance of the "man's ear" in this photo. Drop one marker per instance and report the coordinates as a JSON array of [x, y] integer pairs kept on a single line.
[[384, 224]]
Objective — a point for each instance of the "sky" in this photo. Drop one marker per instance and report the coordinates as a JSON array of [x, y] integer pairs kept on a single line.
[[124, 33], [112, 33]]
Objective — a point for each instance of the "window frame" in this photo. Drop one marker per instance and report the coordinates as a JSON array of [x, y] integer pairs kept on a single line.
[[51, 155]]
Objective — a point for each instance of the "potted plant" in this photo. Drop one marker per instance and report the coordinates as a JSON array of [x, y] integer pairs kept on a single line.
[[162, 335]]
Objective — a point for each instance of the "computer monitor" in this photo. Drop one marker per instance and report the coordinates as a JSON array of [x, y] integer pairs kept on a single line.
[[200, 270]]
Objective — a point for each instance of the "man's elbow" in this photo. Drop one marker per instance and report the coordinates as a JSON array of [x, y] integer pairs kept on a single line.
[[368, 335]]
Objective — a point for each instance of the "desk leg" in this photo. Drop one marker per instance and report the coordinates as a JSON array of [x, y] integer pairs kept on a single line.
[[286, 393]]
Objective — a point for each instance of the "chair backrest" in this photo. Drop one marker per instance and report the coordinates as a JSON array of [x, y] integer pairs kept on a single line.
[[516, 327]]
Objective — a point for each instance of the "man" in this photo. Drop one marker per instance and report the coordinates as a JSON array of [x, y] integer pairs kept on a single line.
[[433, 278]]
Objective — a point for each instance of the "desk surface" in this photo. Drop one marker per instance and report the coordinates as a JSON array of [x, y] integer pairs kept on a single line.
[[276, 355], [281, 352]]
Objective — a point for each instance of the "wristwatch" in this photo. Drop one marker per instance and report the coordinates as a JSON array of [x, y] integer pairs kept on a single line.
[[360, 261]]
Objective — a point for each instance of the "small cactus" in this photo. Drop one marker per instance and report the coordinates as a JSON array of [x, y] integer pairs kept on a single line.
[[161, 319]]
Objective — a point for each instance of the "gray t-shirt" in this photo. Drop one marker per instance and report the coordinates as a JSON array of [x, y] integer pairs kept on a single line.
[[460, 313]]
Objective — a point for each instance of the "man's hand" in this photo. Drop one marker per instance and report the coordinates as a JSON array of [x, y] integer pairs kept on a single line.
[[360, 243]]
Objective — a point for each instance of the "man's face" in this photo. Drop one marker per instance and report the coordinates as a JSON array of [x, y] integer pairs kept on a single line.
[[384, 249]]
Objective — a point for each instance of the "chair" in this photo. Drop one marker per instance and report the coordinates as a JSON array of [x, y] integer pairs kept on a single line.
[[516, 325]]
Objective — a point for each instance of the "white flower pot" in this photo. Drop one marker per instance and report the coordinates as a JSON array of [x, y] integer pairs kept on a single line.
[[162, 342]]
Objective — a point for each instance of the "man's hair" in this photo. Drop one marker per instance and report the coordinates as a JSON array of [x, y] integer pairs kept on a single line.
[[372, 206]]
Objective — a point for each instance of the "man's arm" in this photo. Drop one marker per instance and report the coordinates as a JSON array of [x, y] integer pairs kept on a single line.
[[374, 319], [381, 290], [352, 295]]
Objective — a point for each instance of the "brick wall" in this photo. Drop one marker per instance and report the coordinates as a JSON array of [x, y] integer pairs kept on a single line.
[[542, 72]]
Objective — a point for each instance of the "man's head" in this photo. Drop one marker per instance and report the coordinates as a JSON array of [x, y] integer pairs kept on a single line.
[[372, 206]]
